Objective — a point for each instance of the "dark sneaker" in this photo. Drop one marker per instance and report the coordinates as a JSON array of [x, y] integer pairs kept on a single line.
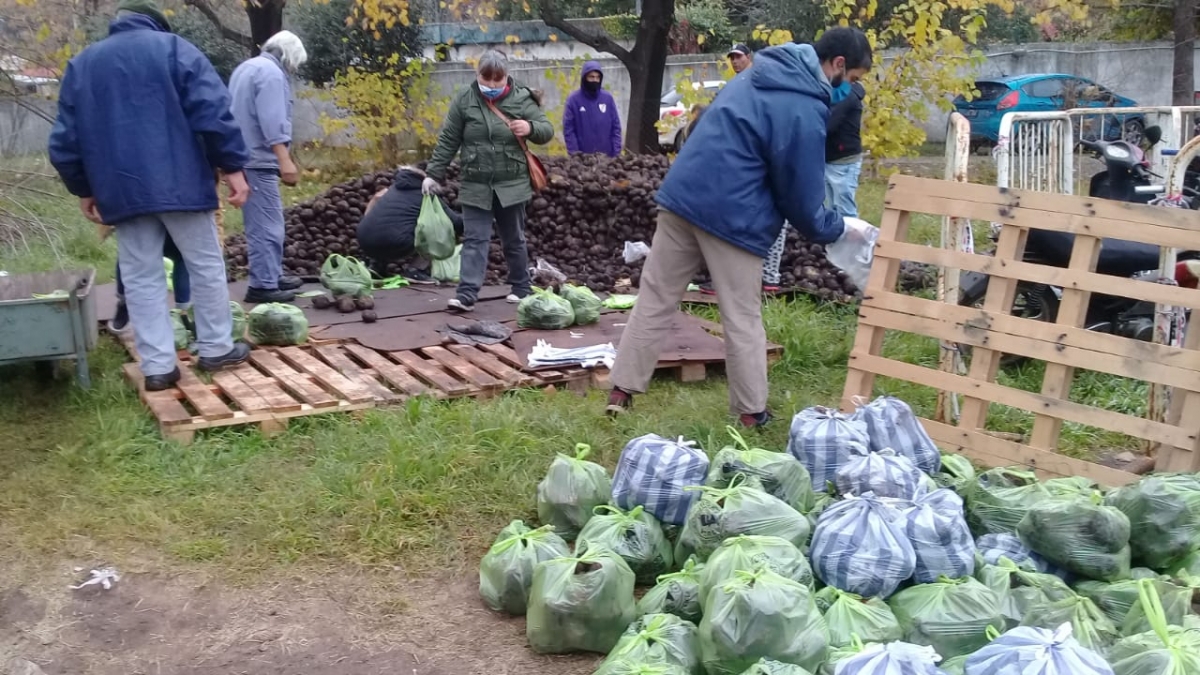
[[290, 283], [260, 295], [769, 289], [236, 357], [708, 289], [419, 277], [162, 382], [460, 305], [618, 402], [755, 421], [121, 321]]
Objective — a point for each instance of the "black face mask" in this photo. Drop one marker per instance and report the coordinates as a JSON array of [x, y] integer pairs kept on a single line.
[[591, 87]]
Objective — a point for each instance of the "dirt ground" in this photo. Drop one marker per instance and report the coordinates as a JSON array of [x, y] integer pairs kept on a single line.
[[149, 624]]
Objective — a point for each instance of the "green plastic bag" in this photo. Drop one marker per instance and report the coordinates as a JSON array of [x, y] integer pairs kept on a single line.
[[449, 270], [1114, 599], [619, 301], [580, 604], [343, 275], [276, 323], [1164, 517], [435, 231], [1079, 534], [1088, 624], [169, 269], [182, 336], [761, 614], [1190, 564], [571, 491], [780, 474], [659, 639], [1072, 486], [635, 536], [627, 667], [543, 310], [955, 666], [950, 615], [239, 319], [738, 509], [506, 572], [1164, 650], [821, 501], [956, 473], [677, 593], [1001, 498], [848, 615], [1019, 589], [767, 666], [749, 552], [1175, 599], [585, 303]]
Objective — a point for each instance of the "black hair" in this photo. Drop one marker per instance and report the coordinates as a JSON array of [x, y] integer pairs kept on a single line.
[[848, 43]]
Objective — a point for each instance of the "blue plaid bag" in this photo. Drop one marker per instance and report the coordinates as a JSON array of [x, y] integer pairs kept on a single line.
[[891, 423], [821, 438], [860, 546], [941, 540], [885, 473], [653, 472]]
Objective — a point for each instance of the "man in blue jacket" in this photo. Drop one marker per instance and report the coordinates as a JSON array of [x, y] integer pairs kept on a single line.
[[756, 157], [143, 122], [591, 123], [262, 106]]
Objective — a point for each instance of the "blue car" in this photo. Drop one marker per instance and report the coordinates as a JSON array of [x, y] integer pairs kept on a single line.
[[1045, 92]]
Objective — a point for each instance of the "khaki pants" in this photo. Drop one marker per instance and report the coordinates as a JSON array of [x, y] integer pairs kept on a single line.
[[676, 254]]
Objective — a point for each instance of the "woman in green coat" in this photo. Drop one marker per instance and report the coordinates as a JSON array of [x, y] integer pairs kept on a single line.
[[495, 173]]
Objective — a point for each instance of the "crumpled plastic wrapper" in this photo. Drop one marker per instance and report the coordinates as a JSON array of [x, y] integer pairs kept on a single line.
[[104, 577], [543, 355], [635, 251]]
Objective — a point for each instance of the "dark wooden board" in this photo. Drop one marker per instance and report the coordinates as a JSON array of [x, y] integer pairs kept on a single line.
[[407, 333]]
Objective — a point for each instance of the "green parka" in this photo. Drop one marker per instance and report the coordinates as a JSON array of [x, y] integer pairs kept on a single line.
[[492, 161]]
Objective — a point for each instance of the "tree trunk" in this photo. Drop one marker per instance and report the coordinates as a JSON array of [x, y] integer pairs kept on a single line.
[[266, 19], [646, 68], [1183, 82]]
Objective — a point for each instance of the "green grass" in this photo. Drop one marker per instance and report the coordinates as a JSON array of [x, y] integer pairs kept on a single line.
[[425, 485]]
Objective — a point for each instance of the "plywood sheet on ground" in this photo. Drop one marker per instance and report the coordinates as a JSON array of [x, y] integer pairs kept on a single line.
[[687, 340], [420, 330]]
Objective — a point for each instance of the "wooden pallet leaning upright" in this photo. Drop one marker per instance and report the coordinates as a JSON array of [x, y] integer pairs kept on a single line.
[[992, 330]]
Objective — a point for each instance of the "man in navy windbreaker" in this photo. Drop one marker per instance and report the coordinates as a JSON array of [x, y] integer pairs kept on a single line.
[[591, 123], [143, 124], [756, 157]]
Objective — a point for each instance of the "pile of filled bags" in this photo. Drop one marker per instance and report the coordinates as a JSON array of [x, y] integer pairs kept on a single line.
[[861, 550]]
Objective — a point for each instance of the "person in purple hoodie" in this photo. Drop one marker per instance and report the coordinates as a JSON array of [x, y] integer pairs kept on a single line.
[[590, 120]]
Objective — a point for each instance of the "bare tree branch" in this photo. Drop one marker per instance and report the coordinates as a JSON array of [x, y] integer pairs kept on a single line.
[[228, 33], [604, 43]]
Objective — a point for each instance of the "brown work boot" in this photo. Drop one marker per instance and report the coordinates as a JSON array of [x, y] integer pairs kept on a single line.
[[618, 402]]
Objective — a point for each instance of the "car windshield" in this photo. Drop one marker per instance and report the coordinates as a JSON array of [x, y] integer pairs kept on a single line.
[[671, 98]]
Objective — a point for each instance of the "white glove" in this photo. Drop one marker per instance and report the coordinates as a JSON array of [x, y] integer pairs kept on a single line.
[[430, 186], [854, 251]]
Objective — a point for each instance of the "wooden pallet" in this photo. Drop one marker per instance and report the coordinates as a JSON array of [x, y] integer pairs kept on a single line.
[[279, 383], [992, 330], [689, 371]]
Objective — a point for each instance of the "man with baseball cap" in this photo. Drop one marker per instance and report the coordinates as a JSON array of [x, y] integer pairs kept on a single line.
[[740, 57]]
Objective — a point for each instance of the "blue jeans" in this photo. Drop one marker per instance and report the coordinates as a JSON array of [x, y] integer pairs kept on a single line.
[[140, 246], [477, 239], [179, 276], [841, 186], [263, 217]]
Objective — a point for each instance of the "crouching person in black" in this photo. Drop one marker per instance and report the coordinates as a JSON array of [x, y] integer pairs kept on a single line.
[[387, 231]]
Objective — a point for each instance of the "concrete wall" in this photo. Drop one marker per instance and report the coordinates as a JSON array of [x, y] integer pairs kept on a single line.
[[1141, 71]]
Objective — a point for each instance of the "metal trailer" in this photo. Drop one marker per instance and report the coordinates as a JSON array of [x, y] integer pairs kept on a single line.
[[49, 317]]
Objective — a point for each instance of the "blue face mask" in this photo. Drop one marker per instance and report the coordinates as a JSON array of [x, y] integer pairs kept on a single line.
[[490, 92]]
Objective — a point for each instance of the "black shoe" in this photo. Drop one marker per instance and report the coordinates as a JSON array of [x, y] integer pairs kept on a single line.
[[460, 305], [290, 283], [162, 382], [419, 277], [236, 357], [261, 295], [121, 321]]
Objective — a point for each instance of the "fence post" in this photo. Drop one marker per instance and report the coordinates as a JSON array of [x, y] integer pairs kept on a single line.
[[958, 236]]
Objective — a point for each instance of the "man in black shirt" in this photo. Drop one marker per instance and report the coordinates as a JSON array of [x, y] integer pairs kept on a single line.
[[844, 148], [387, 231]]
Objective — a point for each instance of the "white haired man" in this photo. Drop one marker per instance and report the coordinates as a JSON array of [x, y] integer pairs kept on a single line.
[[262, 105]]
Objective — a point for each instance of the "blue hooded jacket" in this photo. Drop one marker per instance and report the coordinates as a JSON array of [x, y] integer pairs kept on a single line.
[[757, 156], [143, 123], [591, 122]]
